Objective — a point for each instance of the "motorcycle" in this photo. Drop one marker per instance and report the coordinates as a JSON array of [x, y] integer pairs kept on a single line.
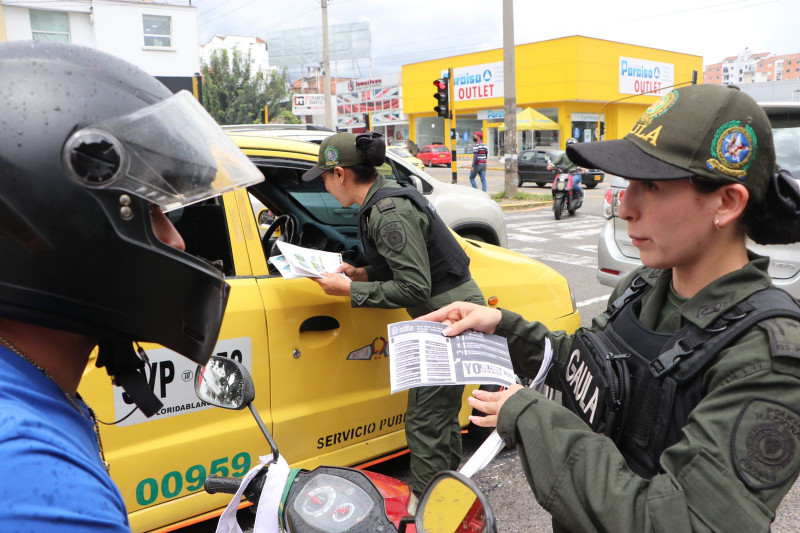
[[328, 498], [566, 194]]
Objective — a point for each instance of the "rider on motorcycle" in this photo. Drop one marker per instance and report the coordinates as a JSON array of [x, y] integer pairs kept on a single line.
[[564, 162], [91, 150]]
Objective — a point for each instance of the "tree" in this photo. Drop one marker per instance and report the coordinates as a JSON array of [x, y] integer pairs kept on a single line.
[[232, 94]]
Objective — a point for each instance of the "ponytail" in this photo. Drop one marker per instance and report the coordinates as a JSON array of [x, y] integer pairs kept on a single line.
[[777, 219]]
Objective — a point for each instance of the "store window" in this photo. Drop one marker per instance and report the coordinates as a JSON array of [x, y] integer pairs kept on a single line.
[[49, 26], [157, 31]]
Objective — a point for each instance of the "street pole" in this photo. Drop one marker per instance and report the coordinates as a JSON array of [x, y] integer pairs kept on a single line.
[[452, 124], [326, 65], [509, 100]]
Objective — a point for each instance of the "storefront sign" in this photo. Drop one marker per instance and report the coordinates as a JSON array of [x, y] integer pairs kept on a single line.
[[367, 83], [639, 76], [478, 82], [585, 117], [492, 115], [308, 104]]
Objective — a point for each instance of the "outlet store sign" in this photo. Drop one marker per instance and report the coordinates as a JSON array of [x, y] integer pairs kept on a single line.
[[639, 76]]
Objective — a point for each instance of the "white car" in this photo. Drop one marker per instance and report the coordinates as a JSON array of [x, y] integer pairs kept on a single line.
[[469, 212], [616, 255]]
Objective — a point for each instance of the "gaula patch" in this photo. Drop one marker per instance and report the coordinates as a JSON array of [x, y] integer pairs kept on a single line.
[[659, 107], [331, 155], [394, 235], [766, 444], [733, 149]]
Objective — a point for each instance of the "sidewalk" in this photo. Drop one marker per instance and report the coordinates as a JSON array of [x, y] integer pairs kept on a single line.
[[493, 163], [496, 185]]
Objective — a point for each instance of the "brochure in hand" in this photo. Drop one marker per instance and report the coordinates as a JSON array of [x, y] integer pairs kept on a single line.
[[420, 356], [299, 262]]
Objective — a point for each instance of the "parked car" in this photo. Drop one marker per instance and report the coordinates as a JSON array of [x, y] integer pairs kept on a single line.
[[616, 255], [532, 168], [435, 154], [403, 153], [468, 211], [320, 367]]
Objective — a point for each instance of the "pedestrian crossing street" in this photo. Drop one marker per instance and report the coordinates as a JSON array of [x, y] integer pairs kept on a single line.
[[570, 241]]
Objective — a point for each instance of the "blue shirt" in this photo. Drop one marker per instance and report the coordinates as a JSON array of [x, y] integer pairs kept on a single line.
[[51, 475]]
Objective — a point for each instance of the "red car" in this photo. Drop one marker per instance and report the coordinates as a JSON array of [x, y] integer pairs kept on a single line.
[[434, 154]]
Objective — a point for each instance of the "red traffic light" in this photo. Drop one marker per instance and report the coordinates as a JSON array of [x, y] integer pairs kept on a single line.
[[440, 84]]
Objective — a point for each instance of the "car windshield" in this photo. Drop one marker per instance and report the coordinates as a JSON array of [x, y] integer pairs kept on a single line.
[[400, 152], [787, 148]]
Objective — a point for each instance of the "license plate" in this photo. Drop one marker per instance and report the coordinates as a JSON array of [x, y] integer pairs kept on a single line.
[[597, 178]]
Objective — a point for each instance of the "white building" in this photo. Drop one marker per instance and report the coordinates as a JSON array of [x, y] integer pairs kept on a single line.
[[159, 38], [253, 48]]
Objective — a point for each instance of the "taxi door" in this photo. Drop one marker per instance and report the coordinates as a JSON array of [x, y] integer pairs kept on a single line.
[[329, 370]]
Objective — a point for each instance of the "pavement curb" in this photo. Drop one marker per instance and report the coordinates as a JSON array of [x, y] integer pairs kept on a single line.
[[518, 206]]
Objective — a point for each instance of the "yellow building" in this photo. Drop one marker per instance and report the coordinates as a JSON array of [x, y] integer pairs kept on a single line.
[[574, 81], [3, 35]]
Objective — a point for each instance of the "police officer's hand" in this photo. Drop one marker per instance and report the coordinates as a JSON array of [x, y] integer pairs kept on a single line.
[[334, 284], [354, 273], [461, 316], [489, 403], [549, 167]]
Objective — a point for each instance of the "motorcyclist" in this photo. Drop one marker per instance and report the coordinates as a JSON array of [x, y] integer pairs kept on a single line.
[[563, 161], [92, 151]]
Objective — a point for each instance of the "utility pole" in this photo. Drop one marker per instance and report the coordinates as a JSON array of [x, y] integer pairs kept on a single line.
[[509, 100], [451, 122], [326, 66]]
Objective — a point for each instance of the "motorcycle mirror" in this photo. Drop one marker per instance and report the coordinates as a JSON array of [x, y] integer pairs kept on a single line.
[[224, 383], [453, 503]]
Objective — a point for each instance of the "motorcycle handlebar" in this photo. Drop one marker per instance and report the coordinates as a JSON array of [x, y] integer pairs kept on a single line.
[[228, 485]]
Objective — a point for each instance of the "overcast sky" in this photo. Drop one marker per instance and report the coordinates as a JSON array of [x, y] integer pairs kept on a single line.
[[408, 31]]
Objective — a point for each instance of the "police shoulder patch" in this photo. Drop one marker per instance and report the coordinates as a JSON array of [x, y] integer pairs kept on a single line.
[[784, 336], [394, 235], [765, 444], [385, 204]]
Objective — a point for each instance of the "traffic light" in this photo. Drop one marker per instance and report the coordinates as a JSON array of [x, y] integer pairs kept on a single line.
[[442, 97], [602, 128]]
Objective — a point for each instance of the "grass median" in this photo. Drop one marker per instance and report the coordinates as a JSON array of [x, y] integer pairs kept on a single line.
[[523, 196]]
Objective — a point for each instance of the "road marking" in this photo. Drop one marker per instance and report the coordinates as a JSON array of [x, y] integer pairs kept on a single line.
[[569, 259], [593, 300], [526, 238]]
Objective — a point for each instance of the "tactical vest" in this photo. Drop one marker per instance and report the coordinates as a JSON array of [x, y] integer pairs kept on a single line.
[[638, 386], [448, 262]]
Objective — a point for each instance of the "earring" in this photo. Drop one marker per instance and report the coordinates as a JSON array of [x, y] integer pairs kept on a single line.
[[716, 224]]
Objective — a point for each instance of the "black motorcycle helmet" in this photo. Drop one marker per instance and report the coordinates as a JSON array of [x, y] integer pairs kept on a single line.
[[88, 143]]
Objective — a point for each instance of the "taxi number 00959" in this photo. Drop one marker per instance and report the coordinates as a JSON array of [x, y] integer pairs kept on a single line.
[[173, 483]]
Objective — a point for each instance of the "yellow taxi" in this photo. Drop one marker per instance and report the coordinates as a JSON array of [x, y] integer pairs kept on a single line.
[[403, 153], [320, 367]]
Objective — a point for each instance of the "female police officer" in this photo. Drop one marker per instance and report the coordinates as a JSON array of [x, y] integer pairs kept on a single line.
[[415, 263], [687, 389]]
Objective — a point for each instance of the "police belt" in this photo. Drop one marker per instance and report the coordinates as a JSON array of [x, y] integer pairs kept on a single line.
[[638, 386]]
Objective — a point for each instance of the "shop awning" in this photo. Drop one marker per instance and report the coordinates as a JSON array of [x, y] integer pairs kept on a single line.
[[530, 119]]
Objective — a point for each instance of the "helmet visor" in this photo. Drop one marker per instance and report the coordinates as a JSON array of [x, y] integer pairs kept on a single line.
[[171, 153]]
